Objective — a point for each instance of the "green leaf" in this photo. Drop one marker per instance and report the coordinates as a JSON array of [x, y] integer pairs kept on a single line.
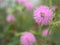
[[56, 35], [1, 35], [19, 7], [14, 41]]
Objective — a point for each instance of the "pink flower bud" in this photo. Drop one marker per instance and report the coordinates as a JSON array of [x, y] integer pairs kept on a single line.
[[10, 18], [46, 32], [53, 8], [1, 0]]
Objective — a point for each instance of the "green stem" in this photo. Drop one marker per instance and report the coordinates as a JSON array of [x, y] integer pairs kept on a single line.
[[46, 2], [50, 3], [40, 30]]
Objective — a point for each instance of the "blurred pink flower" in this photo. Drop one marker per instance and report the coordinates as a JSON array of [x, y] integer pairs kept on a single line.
[[43, 15], [27, 38], [53, 8], [21, 1], [1, 0], [28, 5], [10, 18], [46, 32]]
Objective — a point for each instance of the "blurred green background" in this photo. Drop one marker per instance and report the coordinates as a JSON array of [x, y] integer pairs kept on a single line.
[[10, 34]]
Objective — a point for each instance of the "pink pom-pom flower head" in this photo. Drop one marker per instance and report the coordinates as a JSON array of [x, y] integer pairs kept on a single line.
[[46, 32], [43, 15], [27, 38], [10, 18]]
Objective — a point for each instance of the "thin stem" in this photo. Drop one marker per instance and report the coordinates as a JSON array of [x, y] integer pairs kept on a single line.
[[39, 29], [50, 3], [46, 2]]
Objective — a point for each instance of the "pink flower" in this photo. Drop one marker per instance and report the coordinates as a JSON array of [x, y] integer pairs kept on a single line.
[[27, 38], [28, 5], [10, 18], [1, 0], [43, 15], [21, 1], [46, 32], [53, 8]]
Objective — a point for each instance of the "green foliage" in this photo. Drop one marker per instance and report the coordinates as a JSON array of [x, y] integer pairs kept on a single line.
[[10, 33]]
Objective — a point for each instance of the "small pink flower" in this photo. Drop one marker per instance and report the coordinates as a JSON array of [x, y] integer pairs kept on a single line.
[[1, 0], [10, 18], [43, 15], [46, 32], [27, 38], [21, 1], [53, 8], [28, 5]]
